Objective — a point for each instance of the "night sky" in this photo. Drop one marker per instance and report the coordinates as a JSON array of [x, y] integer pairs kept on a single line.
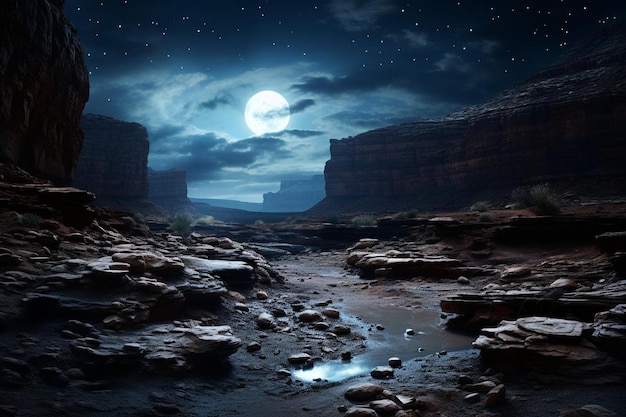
[[185, 69]]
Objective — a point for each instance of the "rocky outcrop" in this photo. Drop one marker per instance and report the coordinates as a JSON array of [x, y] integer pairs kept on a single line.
[[295, 195], [167, 185], [44, 86], [113, 162], [569, 120]]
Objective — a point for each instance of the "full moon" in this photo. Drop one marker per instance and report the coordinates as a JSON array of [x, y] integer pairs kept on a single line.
[[267, 112]]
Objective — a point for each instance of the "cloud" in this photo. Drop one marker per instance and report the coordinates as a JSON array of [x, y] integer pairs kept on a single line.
[[358, 15], [301, 105], [204, 156], [366, 120], [452, 63], [416, 40], [220, 99], [299, 133]]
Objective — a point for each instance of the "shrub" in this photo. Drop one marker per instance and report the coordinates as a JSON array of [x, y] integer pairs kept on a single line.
[[29, 219], [404, 215], [363, 220], [332, 218], [485, 218], [180, 224], [539, 199], [207, 221], [480, 206]]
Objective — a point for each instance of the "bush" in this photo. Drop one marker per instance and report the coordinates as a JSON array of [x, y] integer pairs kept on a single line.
[[180, 224], [485, 218], [332, 218], [207, 221], [29, 219], [363, 220], [539, 199], [480, 206], [405, 215]]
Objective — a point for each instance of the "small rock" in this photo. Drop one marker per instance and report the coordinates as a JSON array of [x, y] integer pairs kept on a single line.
[[409, 332], [331, 312], [261, 295], [472, 398], [395, 362], [363, 392], [284, 373], [495, 396], [590, 410], [340, 330], [465, 380], [253, 347], [265, 321], [321, 325], [299, 358], [463, 280], [565, 283], [385, 407], [241, 307], [310, 316], [360, 412], [484, 386], [382, 372], [346, 356], [404, 401]]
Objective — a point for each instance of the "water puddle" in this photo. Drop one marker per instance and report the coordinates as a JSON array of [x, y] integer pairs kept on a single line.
[[407, 334]]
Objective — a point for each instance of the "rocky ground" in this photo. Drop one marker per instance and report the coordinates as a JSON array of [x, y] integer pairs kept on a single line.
[[111, 319]]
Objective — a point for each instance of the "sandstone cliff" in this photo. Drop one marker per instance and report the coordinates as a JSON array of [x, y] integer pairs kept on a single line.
[[165, 185], [569, 120], [113, 162], [44, 86]]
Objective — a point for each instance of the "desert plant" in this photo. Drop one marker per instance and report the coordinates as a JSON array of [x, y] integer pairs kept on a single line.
[[207, 221], [29, 219], [480, 206], [180, 224], [363, 220], [332, 218], [485, 218], [538, 198], [404, 215]]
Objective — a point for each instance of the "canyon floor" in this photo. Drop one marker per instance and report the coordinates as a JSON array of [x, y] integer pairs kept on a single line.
[[72, 337]]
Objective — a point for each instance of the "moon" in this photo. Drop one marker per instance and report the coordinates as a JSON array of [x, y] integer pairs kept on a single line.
[[267, 112]]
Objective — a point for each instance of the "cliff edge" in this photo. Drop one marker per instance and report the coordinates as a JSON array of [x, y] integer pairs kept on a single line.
[[567, 121]]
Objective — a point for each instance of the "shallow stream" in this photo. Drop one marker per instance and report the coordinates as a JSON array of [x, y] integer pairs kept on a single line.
[[394, 332]]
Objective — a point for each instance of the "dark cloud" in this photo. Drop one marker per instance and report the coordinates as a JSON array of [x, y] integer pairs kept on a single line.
[[164, 132], [302, 105], [204, 156], [358, 15], [222, 99], [299, 133]]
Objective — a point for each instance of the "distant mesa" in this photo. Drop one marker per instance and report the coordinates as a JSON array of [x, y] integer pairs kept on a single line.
[[295, 195], [567, 121]]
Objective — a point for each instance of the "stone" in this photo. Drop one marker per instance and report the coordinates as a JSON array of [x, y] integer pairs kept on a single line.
[[265, 321], [567, 284], [495, 396], [405, 402], [395, 362], [589, 410], [363, 392], [384, 407], [331, 313], [299, 358], [472, 398], [253, 347], [360, 412], [310, 316], [549, 326], [261, 295], [340, 330], [232, 272], [382, 372], [484, 386]]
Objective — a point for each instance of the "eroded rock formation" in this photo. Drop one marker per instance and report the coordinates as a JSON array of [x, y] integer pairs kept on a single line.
[[569, 120], [295, 195], [113, 162], [167, 185], [44, 86]]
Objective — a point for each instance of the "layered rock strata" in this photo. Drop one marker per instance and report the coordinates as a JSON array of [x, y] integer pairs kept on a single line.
[[44, 85], [569, 120], [114, 159]]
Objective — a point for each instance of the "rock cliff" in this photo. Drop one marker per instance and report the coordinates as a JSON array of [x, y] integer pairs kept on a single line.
[[567, 121], [44, 86], [167, 185], [295, 195], [113, 162]]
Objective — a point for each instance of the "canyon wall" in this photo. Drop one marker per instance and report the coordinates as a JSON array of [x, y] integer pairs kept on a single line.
[[569, 120], [44, 85], [113, 162], [167, 185]]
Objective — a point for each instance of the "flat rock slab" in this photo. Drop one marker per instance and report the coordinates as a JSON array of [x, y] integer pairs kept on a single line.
[[549, 326]]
